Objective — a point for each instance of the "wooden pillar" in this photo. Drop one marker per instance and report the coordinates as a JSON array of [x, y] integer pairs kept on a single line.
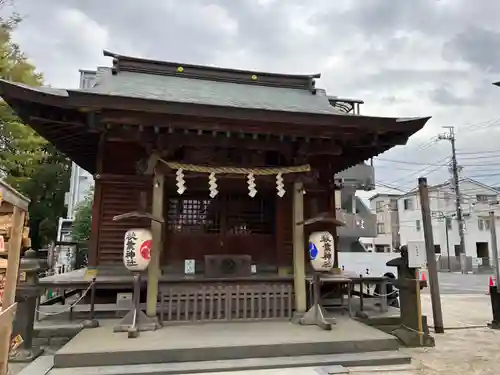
[[338, 199], [279, 231], [11, 277], [332, 209], [299, 266], [93, 251], [157, 232]]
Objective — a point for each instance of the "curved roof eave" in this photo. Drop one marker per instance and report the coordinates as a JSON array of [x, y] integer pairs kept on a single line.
[[79, 98]]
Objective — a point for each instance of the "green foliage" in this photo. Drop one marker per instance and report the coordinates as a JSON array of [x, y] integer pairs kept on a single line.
[[27, 161], [83, 219]]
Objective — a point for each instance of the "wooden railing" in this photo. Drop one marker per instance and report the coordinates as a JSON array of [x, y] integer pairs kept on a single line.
[[226, 302]]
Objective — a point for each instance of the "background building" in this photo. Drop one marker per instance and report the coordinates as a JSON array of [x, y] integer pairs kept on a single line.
[[385, 207], [399, 220], [477, 201]]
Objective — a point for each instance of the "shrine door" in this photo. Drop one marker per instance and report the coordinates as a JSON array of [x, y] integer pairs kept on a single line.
[[228, 224]]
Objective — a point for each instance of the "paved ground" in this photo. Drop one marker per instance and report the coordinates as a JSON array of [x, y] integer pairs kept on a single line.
[[456, 283], [467, 346], [460, 350]]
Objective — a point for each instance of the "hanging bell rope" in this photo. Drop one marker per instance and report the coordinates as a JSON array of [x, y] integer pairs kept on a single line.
[[235, 170]]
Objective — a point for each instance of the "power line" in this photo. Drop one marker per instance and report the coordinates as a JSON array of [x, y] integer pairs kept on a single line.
[[406, 162], [420, 171], [478, 152], [480, 126]]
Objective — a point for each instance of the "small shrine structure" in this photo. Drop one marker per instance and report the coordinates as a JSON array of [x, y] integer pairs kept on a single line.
[[231, 162], [11, 202]]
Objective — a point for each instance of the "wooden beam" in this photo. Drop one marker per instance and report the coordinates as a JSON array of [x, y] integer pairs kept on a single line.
[[138, 215], [13, 259], [157, 233], [227, 125], [11, 196], [201, 139], [93, 255], [6, 323], [299, 266], [11, 279]]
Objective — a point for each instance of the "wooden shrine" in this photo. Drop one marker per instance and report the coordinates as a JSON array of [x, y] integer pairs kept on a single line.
[[229, 162]]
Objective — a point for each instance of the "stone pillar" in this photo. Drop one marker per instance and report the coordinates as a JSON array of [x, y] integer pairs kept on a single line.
[[26, 298], [299, 272]]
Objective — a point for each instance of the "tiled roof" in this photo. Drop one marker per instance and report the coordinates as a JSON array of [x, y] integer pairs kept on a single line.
[[210, 92]]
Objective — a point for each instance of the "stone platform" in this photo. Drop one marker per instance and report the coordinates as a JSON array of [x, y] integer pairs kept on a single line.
[[219, 347]]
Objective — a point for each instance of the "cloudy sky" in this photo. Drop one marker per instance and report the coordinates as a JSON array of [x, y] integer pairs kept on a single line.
[[403, 58]]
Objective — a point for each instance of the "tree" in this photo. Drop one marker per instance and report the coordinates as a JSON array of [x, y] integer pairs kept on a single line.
[[83, 219], [27, 161], [81, 228]]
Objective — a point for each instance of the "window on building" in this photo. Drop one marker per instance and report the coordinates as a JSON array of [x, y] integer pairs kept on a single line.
[[449, 225], [417, 224], [483, 224], [380, 228], [393, 204], [447, 197], [437, 249], [408, 204], [379, 206], [485, 197]]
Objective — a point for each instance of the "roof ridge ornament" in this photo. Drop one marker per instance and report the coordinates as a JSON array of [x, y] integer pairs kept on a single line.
[[123, 63]]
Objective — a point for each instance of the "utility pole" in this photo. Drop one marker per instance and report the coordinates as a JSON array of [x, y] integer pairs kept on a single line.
[[437, 313], [447, 242], [450, 136], [441, 215], [494, 245]]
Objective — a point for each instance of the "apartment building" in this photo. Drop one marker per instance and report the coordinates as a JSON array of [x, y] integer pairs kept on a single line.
[[477, 201], [385, 208]]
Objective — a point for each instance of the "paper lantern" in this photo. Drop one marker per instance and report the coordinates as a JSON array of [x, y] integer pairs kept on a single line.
[[321, 251], [137, 249]]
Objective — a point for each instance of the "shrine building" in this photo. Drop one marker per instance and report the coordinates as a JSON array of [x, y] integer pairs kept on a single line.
[[225, 166]]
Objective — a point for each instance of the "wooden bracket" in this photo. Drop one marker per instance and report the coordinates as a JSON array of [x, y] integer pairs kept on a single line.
[[140, 215]]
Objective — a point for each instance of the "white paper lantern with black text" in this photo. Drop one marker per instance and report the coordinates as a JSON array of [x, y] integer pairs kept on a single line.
[[137, 247], [321, 251]]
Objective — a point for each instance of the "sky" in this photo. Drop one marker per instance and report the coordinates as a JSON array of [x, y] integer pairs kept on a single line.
[[403, 58]]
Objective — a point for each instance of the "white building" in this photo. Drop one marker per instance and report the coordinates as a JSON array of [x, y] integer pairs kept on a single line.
[[477, 200], [385, 207], [81, 181]]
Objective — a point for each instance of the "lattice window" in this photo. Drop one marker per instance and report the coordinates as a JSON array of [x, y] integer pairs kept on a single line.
[[193, 215], [245, 215], [235, 214]]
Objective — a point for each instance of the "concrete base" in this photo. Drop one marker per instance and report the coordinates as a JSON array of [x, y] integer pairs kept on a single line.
[[316, 317], [220, 341], [90, 323], [323, 364], [23, 355], [143, 323], [412, 339], [494, 325]]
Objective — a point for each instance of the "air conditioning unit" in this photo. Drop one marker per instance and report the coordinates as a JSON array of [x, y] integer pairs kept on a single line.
[[228, 266]]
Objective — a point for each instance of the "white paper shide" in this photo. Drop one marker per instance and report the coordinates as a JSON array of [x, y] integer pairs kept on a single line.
[[137, 249], [321, 251]]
